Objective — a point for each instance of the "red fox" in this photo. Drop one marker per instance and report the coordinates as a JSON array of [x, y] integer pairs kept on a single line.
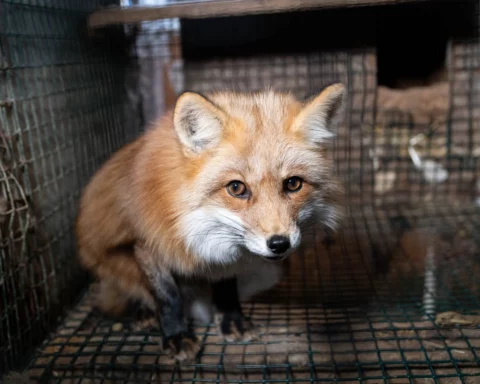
[[213, 193]]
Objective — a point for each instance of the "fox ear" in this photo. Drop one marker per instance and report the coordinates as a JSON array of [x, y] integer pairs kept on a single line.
[[198, 122], [321, 116]]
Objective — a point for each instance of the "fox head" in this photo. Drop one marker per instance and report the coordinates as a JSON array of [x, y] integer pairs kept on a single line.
[[258, 172]]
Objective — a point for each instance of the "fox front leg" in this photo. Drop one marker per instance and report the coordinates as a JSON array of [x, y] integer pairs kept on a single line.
[[233, 325], [178, 339]]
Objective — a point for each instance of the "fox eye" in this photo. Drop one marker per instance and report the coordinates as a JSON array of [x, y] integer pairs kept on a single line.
[[293, 184], [237, 189]]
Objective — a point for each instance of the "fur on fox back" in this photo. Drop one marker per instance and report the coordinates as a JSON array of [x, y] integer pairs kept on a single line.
[[166, 190]]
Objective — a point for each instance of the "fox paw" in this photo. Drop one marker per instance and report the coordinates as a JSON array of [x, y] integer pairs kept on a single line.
[[182, 347], [235, 327]]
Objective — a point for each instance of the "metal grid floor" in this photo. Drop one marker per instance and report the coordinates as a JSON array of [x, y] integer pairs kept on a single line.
[[390, 299]]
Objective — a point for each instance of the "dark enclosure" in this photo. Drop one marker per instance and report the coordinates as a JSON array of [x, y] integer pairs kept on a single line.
[[394, 297]]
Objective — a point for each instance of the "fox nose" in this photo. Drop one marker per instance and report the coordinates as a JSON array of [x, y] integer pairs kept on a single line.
[[278, 244]]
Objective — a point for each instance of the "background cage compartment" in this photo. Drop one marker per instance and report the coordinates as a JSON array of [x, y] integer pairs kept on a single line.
[[392, 298]]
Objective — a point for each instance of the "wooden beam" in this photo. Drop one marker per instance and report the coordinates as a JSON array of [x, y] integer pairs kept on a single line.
[[217, 8]]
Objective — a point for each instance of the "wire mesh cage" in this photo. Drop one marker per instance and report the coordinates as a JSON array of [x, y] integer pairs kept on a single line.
[[60, 118], [393, 297]]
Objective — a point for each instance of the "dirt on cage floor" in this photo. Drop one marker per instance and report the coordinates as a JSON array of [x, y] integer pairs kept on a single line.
[[393, 298]]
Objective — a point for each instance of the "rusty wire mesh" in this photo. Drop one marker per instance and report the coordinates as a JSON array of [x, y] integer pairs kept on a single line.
[[394, 298], [60, 117]]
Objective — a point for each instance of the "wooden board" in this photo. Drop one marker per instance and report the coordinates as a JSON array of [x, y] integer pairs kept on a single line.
[[205, 9]]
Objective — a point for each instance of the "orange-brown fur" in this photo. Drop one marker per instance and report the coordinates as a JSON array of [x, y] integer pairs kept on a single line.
[[140, 194]]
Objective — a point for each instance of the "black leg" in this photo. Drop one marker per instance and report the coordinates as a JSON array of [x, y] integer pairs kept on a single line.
[[170, 306], [177, 338], [225, 295], [230, 319]]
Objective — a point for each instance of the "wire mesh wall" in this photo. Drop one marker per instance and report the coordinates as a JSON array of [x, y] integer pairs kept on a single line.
[[405, 145], [60, 117], [393, 298]]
